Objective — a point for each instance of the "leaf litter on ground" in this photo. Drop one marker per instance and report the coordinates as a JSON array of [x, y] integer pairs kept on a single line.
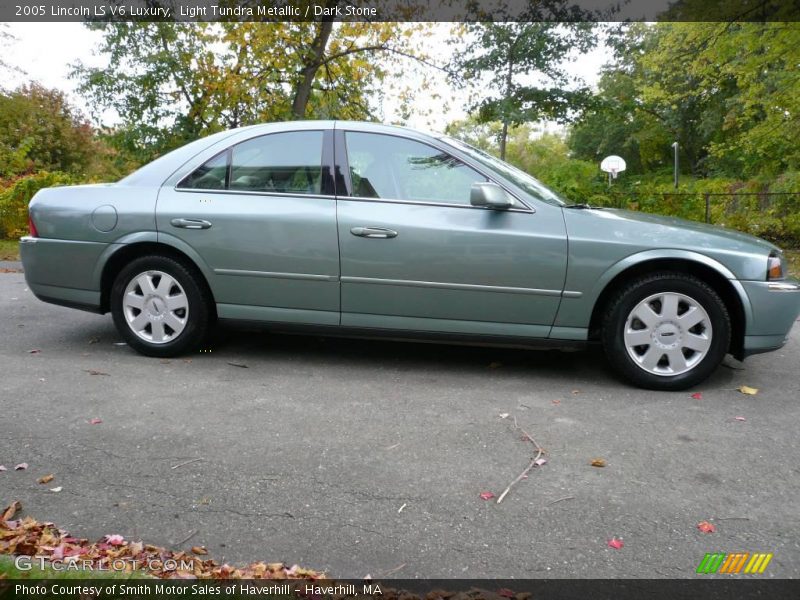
[[27, 536]]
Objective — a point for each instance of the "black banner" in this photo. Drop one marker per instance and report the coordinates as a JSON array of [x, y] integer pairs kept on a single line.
[[399, 10], [738, 588]]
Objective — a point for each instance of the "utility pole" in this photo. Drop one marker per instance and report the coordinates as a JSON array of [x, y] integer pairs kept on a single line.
[[675, 147]]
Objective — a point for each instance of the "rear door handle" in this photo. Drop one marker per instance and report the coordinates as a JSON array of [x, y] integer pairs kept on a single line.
[[190, 223], [373, 232]]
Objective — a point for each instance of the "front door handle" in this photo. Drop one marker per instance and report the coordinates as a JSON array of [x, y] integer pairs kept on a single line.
[[373, 232], [190, 223]]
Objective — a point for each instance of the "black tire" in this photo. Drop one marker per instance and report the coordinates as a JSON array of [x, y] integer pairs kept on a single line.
[[615, 323], [197, 316]]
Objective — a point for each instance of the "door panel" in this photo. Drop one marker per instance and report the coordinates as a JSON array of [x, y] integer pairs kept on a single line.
[[452, 268], [272, 242]]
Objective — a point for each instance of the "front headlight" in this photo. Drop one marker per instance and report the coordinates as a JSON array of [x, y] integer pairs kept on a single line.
[[775, 268]]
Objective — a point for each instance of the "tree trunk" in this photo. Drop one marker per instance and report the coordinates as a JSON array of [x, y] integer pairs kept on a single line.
[[503, 138], [309, 71]]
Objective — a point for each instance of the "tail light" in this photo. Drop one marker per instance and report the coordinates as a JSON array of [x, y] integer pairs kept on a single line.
[[32, 227]]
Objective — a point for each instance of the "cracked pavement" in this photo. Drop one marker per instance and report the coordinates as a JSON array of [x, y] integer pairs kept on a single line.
[[308, 454]]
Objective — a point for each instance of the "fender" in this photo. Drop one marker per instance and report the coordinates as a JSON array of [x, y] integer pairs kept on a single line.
[[688, 255], [152, 237], [572, 320]]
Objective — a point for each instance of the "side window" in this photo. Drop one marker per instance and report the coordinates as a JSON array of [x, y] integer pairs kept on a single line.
[[287, 163], [395, 168], [211, 176]]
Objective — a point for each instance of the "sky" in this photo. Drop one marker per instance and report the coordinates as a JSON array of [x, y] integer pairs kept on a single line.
[[45, 51]]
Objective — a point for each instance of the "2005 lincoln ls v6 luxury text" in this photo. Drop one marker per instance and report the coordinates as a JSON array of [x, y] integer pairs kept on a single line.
[[364, 229]]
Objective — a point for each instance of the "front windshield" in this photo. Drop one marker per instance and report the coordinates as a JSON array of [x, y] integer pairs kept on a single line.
[[518, 177]]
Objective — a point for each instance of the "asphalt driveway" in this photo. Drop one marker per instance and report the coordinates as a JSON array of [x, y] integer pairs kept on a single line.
[[366, 457]]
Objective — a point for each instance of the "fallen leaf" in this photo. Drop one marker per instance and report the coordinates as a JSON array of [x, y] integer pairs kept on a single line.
[[56, 489], [697, 395], [241, 366], [199, 550], [95, 421], [47, 478], [503, 415], [750, 391], [115, 539], [34, 351], [540, 461], [740, 418], [706, 527], [575, 392], [94, 372], [487, 495], [11, 510], [21, 467], [495, 365], [615, 543], [598, 462], [556, 402]]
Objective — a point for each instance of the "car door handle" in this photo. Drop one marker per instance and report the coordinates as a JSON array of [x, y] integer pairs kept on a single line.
[[190, 223], [373, 232]]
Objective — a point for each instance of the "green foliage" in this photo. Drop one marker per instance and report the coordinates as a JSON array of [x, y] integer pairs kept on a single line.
[[727, 92], [40, 130], [14, 200], [519, 68], [175, 82]]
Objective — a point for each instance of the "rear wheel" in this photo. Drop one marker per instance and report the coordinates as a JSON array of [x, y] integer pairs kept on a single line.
[[666, 331], [159, 307]]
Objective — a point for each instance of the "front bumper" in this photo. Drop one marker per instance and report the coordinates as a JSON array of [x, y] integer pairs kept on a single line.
[[775, 306]]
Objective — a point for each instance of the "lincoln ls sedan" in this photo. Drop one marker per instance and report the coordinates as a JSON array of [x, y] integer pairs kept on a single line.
[[362, 229]]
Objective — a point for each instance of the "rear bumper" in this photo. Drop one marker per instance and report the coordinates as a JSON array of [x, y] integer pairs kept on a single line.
[[60, 271], [775, 306]]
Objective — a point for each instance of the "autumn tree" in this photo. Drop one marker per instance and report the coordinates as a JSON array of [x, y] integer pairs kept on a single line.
[[173, 82], [41, 131]]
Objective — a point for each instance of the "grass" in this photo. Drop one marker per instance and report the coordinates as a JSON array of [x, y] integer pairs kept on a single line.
[[9, 571], [9, 249]]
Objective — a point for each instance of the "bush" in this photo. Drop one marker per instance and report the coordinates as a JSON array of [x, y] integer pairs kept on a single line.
[[15, 197]]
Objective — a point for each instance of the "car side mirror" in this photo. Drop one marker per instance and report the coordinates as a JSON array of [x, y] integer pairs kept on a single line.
[[490, 195]]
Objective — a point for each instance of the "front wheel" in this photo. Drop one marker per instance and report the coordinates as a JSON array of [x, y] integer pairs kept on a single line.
[[159, 307], [666, 331]]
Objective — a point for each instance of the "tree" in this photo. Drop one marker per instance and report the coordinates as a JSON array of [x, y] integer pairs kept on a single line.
[[41, 130], [728, 93], [520, 67], [173, 82]]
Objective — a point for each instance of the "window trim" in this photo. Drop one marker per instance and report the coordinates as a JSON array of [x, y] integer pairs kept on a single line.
[[345, 166], [229, 158]]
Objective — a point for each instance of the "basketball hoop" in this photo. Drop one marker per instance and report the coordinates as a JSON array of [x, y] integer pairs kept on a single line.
[[613, 165]]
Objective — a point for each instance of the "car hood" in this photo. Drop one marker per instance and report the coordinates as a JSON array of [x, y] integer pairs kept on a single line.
[[675, 232]]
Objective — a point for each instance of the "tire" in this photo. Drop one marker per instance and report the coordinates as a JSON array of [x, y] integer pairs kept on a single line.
[[682, 324], [160, 307]]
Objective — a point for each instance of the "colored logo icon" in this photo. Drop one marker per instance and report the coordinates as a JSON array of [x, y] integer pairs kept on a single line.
[[734, 563]]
